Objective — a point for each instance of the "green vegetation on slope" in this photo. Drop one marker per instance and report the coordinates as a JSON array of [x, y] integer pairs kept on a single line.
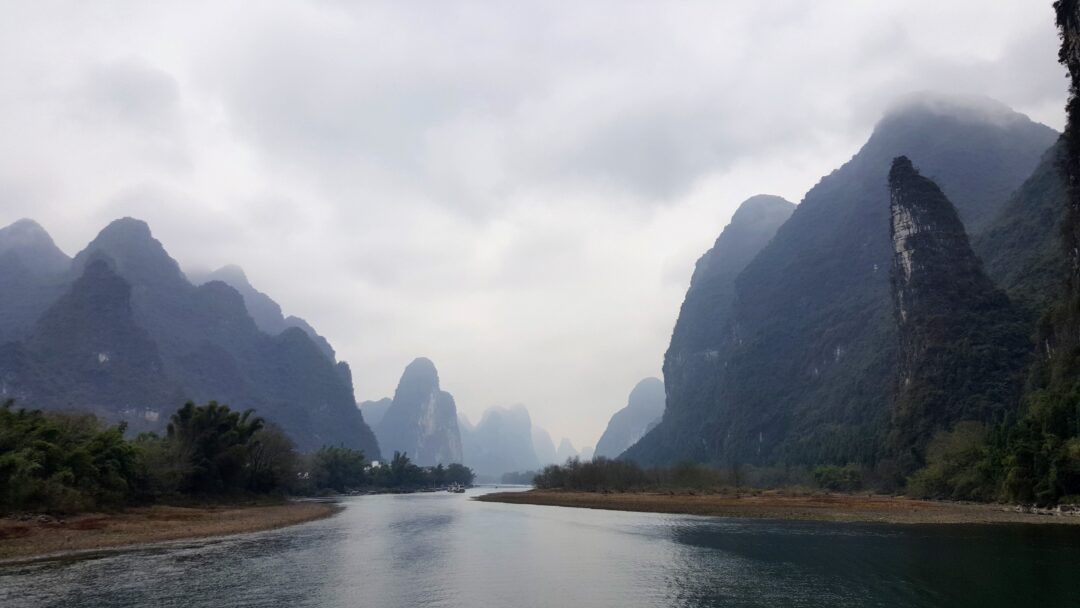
[[962, 344], [805, 374]]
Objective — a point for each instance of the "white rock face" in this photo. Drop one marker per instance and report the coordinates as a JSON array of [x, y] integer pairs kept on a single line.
[[422, 420]]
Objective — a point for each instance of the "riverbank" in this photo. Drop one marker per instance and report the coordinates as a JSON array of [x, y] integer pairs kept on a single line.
[[40, 536], [792, 506]]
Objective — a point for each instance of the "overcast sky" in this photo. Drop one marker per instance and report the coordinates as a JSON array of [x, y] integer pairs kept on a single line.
[[516, 190]]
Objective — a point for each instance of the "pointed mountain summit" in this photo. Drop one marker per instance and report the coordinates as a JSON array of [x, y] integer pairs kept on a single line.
[[802, 370], [263, 310], [34, 247], [422, 420], [950, 317], [135, 255], [642, 412], [266, 313], [33, 274]]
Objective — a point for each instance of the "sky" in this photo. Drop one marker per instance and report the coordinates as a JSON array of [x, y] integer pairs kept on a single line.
[[516, 190]]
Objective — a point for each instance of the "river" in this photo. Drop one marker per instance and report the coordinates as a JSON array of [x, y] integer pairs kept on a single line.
[[447, 550]]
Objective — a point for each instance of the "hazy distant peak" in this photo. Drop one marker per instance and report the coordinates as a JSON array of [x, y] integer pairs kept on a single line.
[[647, 392], [759, 205], [565, 450], [24, 228], [976, 108], [27, 237], [231, 274], [137, 255], [421, 370], [127, 228]]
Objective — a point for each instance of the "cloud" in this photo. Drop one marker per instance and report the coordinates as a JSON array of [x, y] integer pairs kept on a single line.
[[516, 190]]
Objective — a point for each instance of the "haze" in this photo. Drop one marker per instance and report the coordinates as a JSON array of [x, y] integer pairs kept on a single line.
[[518, 192]]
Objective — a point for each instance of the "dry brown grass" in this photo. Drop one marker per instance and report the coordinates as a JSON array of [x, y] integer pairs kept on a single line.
[[786, 505], [47, 536]]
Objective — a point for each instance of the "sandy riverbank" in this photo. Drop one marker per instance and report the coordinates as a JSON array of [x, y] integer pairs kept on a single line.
[[43, 536], [781, 505]]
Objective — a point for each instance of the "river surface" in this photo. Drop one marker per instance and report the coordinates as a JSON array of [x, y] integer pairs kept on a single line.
[[447, 550]]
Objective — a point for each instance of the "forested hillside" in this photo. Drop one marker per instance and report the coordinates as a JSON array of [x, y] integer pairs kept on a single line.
[[803, 374]]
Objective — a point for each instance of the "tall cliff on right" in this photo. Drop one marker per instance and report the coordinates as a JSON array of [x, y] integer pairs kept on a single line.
[[962, 344]]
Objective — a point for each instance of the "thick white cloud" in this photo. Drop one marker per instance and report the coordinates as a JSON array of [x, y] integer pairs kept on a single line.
[[516, 190]]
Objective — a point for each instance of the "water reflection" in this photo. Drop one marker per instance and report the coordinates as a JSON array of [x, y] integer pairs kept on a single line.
[[443, 550]]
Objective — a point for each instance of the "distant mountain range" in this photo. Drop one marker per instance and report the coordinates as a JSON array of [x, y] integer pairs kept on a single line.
[[120, 331], [786, 347]]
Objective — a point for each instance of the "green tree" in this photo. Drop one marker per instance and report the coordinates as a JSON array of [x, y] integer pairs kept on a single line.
[[214, 441], [337, 468]]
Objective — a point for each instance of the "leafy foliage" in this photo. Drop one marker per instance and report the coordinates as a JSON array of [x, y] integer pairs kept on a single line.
[[62, 462], [847, 478], [216, 443], [338, 468], [956, 466], [401, 473]]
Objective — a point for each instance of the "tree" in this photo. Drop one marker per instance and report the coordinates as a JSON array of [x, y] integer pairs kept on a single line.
[[337, 468], [459, 473], [214, 441], [62, 462]]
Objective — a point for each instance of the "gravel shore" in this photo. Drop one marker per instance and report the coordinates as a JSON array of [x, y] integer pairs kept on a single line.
[[789, 505], [41, 535]]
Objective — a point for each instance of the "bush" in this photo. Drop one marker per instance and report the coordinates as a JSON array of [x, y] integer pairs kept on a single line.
[[955, 466], [847, 478], [63, 463]]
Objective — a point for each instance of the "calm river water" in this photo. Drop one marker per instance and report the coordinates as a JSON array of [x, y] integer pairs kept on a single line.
[[446, 550]]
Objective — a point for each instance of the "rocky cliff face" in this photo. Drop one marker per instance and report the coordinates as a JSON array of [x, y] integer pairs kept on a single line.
[[704, 330], [962, 345], [422, 420], [804, 373], [642, 412]]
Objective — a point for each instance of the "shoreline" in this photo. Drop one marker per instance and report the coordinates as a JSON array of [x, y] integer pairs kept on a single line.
[[788, 506], [43, 537]]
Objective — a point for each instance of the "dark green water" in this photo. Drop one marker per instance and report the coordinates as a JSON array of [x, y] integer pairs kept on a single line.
[[445, 550]]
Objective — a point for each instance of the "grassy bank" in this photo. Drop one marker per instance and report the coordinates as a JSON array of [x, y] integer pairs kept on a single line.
[[783, 505], [41, 535]]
